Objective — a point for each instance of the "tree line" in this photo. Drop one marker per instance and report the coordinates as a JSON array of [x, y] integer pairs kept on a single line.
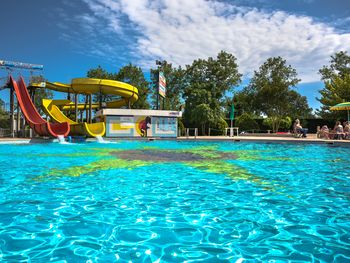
[[207, 88]]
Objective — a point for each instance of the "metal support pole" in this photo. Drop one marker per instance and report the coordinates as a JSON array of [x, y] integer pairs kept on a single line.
[[100, 100], [86, 108], [157, 91], [18, 121], [90, 108], [76, 106], [12, 111]]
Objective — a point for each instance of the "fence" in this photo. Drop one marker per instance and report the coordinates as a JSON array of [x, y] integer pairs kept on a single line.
[[26, 133], [215, 132], [5, 132]]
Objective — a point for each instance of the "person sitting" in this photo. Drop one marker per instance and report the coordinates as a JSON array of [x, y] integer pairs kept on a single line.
[[324, 132], [298, 129], [338, 131]]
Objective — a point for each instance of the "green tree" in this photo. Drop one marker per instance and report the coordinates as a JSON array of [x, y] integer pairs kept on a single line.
[[246, 122], [134, 76], [174, 85], [40, 93], [270, 89], [4, 116], [298, 106], [207, 82], [339, 66], [100, 73], [336, 89]]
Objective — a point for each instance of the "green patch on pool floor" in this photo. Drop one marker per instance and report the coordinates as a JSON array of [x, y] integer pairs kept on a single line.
[[206, 159]]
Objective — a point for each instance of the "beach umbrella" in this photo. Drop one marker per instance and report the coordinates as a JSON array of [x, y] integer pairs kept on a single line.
[[342, 106], [232, 113]]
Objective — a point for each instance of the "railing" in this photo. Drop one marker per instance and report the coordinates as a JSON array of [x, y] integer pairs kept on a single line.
[[26, 133], [221, 132], [187, 132], [5, 132], [232, 130]]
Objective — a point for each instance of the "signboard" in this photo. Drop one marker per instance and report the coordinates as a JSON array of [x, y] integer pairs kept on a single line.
[[12, 64], [161, 84]]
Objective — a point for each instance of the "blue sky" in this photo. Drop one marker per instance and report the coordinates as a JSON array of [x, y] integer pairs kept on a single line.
[[69, 37]]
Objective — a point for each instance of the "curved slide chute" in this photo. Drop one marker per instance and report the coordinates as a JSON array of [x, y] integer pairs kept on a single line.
[[90, 129], [128, 93], [32, 116]]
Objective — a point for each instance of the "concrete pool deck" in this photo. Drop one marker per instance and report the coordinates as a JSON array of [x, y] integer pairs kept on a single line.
[[312, 138]]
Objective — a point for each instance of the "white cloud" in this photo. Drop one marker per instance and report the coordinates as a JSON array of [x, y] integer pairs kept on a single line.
[[183, 30]]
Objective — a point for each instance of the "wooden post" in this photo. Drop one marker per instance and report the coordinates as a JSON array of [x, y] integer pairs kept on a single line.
[[12, 111]]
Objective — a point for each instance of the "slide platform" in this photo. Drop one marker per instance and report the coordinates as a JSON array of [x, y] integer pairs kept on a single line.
[[90, 129], [32, 116]]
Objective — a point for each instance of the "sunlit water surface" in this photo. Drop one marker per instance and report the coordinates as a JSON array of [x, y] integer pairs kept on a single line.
[[168, 201]]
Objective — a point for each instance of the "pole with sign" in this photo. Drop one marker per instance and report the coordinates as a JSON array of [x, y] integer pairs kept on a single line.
[[162, 86]]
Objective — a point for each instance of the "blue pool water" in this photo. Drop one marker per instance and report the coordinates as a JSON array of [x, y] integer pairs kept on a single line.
[[168, 201]]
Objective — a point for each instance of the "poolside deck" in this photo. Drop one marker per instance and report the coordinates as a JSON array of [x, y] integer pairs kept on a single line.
[[312, 138]]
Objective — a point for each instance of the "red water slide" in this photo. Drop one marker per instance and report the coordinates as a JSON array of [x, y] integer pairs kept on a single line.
[[32, 116]]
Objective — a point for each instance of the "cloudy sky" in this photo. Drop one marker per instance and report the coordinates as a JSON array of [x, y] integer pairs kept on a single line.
[[69, 37]]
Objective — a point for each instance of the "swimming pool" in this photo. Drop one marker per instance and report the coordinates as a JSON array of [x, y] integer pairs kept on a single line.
[[168, 201]]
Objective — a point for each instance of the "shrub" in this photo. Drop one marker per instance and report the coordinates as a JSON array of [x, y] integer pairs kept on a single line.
[[246, 122], [284, 123]]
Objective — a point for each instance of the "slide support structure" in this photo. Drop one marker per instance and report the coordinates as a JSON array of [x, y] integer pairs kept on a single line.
[[76, 107]]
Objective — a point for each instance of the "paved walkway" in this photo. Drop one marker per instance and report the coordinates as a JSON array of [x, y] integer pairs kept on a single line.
[[262, 137]]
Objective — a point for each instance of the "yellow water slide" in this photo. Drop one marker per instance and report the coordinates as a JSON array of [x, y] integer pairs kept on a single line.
[[128, 93], [90, 129]]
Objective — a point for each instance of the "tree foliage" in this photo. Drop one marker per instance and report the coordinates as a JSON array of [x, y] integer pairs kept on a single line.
[[134, 76], [40, 93], [4, 116], [336, 89], [130, 74], [270, 92], [246, 122], [207, 82], [339, 66], [100, 73]]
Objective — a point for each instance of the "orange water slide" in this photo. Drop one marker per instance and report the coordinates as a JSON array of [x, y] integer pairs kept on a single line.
[[32, 116]]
